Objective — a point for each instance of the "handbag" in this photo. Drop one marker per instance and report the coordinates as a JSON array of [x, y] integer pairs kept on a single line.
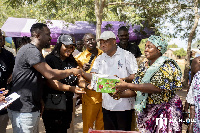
[[55, 102]]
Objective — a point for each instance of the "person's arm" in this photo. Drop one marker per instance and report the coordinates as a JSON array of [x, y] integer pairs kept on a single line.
[[12, 63], [2, 94], [87, 76], [86, 66], [55, 74], [192, 114], [54, 84], [81, 82], [128, 93], [185, 110], [195, 66], [125, 94], [129, 79], [146, 87], [9, 79]]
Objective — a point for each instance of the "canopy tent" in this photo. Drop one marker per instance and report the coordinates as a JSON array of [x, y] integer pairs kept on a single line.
[[19, 27]]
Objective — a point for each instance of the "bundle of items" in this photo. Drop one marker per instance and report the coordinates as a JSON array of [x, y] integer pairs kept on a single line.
[[104, 83]]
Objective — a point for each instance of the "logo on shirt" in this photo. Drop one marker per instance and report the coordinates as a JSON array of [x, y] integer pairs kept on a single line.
[[3, 68], [119, 64], [70, 79]]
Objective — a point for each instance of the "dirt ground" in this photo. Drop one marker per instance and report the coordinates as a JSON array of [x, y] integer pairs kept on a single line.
[[78, 123]]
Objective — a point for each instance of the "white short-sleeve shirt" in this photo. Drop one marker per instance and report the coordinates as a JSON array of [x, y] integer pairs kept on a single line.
[[122, 63]]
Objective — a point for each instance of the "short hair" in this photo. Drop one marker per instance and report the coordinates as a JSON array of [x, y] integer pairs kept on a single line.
[[36, 27], [123, 28], [23, 41], [87, 35]]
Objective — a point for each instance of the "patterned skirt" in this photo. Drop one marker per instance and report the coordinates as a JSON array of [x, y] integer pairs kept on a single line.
[[162, 118]]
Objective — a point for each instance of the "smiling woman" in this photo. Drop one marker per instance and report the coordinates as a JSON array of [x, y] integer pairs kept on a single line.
[[156, 82], [152, 52], [58, 118]]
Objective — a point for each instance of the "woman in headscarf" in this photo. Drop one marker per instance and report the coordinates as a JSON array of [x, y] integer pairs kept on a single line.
[[156, 81]]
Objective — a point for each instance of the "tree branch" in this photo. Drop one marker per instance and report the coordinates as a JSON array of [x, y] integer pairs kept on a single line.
[[187, 64]]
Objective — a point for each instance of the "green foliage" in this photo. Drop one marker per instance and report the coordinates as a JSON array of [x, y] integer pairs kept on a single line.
[[146, 13], [194, 45], [181, 52], [172, 46], [180, 18], [142, 45]]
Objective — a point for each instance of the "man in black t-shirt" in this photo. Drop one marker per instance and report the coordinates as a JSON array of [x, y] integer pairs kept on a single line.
[[27, 80], [6, 67], [132, 47], [125, 44]]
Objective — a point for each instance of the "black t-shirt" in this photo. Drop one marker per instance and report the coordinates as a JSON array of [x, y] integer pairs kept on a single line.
[[27, 81], [7, 62], [133, 48], [56, 63]]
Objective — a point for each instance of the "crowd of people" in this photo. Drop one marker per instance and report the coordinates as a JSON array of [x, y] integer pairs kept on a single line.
[[144, 100]]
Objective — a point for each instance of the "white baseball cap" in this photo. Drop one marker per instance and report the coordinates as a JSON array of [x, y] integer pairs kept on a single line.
[[107, 35]]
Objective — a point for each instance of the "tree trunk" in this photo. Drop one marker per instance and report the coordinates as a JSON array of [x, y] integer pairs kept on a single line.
[[99, 6], [187, 64]]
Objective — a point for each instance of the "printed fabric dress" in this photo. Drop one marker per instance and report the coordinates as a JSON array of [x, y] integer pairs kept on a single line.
[[165, 105], [193, 97]]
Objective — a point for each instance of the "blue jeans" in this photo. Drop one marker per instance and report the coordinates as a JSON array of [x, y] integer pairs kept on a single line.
[[24, 122]]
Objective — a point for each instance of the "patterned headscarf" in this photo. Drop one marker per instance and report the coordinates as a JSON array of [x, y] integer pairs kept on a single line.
[[159, 42]]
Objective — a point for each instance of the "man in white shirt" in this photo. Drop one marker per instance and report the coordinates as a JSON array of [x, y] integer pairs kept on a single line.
[[117, 114]]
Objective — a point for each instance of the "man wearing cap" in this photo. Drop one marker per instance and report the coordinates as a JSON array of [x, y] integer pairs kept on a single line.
[[91, 101], [6, 67], [125, 44], [28, 82], [117, 114], [58, 121]]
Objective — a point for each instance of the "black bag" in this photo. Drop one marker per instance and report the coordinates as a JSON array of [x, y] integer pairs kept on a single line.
[[55, 102]]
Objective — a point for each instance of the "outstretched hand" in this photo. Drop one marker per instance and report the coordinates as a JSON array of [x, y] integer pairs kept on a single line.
[[77, 90], [115, 95], [120, 87], [86, 66], [3, 92], [77, 71]]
